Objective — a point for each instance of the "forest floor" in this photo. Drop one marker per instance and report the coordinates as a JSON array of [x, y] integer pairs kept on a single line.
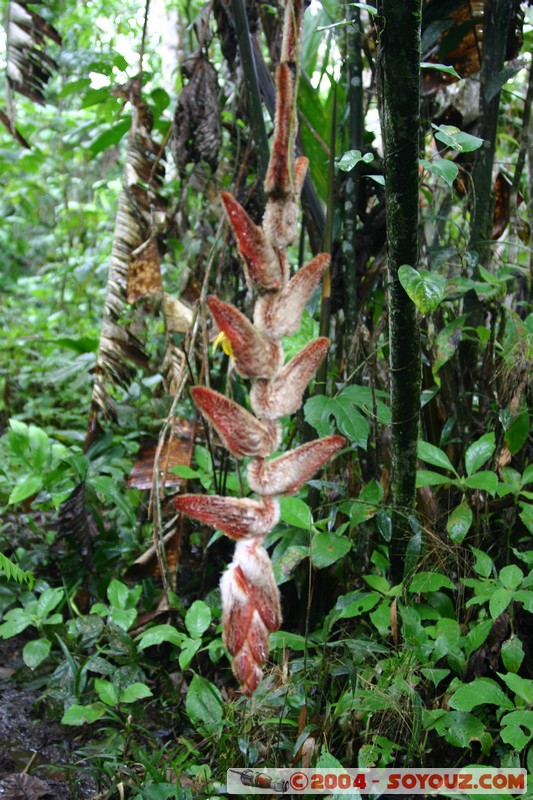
[[37, 758]]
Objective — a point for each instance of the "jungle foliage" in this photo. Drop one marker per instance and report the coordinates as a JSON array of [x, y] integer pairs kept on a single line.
[[406, 628]]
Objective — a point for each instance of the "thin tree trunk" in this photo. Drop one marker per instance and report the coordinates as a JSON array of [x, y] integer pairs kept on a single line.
[[399, 91]]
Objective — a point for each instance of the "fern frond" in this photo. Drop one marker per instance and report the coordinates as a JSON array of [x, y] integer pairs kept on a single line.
[[14, 573]]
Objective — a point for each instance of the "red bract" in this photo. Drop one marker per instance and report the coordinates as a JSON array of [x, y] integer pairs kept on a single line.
[[238, 518], [255, 356], [283, 395], [240, 431], [288, 473]]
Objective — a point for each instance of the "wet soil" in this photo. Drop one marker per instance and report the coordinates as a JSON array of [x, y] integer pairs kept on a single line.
[[30, 743]]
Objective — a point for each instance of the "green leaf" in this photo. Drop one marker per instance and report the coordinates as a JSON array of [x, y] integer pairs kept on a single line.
[[430, 582], [484, 480], [135, 691], [456, 139], [105, 690], [517, 433], [511, 577], [442, 168], [512, 726], [460, 728], [353, 157], [39, 446], [459, 522], [481, 691], [479, 453], [512, 654], [49, 600], [296, 513], [497, 82], [197, 619], [448, 341], [285, 565], [327, 548], [111, 136], [477, 635], [435, 456], [117, 594], [523, 687], [483, 564], [34, 653], [435, 675], [78, 715], [204, 706], [188, 650], [159, 634], [426, 289], [26, 487], [283, 639], [184, 472], [426, 477], [319, 409], [15, 621], [441, 68], [527, 475], [499, 601]]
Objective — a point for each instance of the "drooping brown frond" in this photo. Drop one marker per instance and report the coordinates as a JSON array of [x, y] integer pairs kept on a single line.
[[75, 522], [134, 269], [29, 67], [197, 123]]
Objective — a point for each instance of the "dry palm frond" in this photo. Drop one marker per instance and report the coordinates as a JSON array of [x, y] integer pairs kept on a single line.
[[29, 67], [134, 269]]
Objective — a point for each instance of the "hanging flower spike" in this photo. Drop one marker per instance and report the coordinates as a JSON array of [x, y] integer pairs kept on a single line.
[[250, 598]]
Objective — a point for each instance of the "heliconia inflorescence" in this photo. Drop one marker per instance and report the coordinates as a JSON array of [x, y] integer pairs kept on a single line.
[[250, 598]]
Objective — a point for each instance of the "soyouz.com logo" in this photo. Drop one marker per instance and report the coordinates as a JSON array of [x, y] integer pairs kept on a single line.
[[475, 780]]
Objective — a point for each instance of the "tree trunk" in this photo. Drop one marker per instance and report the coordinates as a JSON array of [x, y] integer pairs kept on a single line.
[[399, 92]]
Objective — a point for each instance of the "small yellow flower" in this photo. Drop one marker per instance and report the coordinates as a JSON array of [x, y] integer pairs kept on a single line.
[[225, 342]]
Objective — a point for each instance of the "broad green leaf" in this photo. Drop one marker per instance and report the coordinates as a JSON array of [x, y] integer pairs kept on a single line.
[[35, 652], [189, 649], [106, 691], [512, 654], [441, 68], [39, 446], [480, 691], [285, 565], [117, 594], [456, 139], [484, 480], [135, 691], [459, 522], [512, 728], [353, 157], [15, 621], [460, 728], [425, 477], [483, 564], [448, 341], [49, 600], [354, 604], [511, 577], [26, 487], [159, 634], [497, 82], [184, 472], [477, 635], [296, 513], [526, 515], [527, 475], [435, 675], [426, 289], [430, 582], [435, 456], [523, 687], [479, 453], [327, 548], [204, 706], [79, 715], [197, 619], [319, 409], [442, 168], [283, 639], [517, 433], [499, 601], [123, 617], [111, 136], [365, 398]]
